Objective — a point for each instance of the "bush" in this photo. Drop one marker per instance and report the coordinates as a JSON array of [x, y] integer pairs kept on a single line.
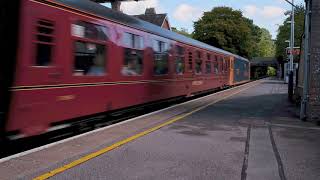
[[271, 71]]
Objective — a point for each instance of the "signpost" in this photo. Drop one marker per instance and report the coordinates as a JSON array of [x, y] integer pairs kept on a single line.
[[295, 52]]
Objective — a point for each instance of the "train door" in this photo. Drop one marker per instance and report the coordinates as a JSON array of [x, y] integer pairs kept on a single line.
[[42, 36], [190, 64], [189, 74], [179, 65], [10, 12], [231, 71]]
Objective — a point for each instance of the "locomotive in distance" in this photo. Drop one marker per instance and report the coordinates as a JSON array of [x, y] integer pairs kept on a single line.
[[78, 58]]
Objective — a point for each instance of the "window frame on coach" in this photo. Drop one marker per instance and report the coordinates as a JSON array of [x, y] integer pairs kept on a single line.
[[136, 54], [179, 55], [161, 48], [198, 58], [208, 62], [190, 64], [80, 33], [40, 41]]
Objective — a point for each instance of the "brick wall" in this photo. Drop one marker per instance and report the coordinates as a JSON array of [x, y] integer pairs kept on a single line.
[[314, 89]]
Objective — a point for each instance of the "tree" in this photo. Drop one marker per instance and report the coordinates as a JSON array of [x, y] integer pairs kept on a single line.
[[266, 44], [271, 71], [285, 29], [182, 31], [228, 29]]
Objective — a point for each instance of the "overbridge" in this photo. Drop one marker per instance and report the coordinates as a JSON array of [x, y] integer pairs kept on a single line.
[[259, 66]]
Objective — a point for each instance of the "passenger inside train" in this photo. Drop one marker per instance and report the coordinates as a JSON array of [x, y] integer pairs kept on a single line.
[[132, 66]]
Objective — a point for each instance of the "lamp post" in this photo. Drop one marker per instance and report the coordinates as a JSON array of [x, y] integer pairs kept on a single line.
[[287, 69], [290, 84], [290, 87]]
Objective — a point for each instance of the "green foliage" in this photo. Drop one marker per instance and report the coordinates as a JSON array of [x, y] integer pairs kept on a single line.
[[284, 32], [182, 31], [228, 29], [266, 44], [271, 71]]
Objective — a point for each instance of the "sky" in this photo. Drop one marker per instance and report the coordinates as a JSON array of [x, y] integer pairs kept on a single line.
[[267, 14]]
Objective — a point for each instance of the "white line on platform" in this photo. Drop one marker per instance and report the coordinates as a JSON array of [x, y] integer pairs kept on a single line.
[[111, 126], [294, 126]]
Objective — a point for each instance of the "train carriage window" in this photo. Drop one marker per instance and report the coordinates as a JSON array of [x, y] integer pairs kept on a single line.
[[198, 63], [216, 65], [179, 60], [128, 39], [208, 57], [133, 55], [220, 64], [44, 42], [161, 57], [225, 66], [133, 62], [208, 64], [89, 49], [133, 41], [90, 31], [89, 59], [138, 42], [190, 63], [208, 67]]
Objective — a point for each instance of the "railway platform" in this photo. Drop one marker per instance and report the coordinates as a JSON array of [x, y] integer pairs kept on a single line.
[[246, 132]]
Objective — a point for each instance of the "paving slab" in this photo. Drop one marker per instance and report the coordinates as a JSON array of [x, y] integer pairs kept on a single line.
[[262, 161], [300, 152]]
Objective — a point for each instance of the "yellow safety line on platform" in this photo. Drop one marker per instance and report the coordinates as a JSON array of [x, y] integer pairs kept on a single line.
[[125, 141]]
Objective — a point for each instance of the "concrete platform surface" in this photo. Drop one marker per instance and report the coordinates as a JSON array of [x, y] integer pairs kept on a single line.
[[253, 134]]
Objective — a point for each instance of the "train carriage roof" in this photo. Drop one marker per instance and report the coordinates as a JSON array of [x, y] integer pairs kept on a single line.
[[100, 10]]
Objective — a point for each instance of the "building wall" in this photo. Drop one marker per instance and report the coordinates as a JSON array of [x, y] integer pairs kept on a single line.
[[314, 100]]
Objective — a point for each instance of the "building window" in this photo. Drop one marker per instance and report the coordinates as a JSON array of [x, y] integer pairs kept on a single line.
[[44, 42], [179, 60], [90, 49], [133, 41], [198, 63], [133, 62], [160, 57], [89, 59]]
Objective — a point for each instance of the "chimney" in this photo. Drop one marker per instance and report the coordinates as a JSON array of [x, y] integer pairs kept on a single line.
[[150, 11]]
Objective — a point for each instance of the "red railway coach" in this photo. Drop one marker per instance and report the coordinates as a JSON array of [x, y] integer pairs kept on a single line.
[[66, 59]]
